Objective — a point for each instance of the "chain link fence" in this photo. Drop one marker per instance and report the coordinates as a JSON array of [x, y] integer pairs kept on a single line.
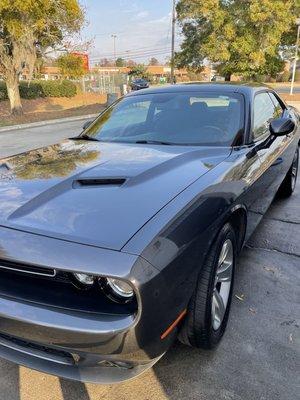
[[105, 83]]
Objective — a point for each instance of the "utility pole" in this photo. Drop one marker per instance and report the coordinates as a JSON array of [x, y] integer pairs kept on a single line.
[[296, 56], [115, 54], [173, 42]]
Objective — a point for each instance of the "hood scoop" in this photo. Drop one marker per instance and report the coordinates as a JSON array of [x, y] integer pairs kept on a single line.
[[96, 182]]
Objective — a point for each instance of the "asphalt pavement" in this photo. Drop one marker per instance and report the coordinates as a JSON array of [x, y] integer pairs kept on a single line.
[[19, 140], [257, 359], [286, 89]]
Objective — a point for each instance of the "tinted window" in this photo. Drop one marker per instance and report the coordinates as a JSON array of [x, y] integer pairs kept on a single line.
[[278, 107], [264, 112], [190, 118]]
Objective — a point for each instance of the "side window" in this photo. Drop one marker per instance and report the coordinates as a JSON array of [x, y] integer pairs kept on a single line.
[[264, 111], [278, 107]]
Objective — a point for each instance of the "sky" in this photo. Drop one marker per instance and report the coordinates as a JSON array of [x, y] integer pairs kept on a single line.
[[143, 28]]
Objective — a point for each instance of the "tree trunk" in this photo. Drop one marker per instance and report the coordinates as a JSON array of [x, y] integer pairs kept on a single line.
[[13, 92], [228, 77]]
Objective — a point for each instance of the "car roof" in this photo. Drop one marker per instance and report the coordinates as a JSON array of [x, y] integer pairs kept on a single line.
[[237, 87]]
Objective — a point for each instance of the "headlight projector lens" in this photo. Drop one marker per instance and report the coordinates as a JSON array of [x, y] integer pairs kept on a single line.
[[85, 279], [118, 290]]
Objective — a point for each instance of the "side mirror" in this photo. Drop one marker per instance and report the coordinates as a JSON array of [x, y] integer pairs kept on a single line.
[[86, 125], [282, 126]]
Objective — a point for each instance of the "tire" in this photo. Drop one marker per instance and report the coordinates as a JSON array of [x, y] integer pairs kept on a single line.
[[200, 328], [288, 185]]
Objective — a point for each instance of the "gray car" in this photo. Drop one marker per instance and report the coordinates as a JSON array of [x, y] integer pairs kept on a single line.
[[118, 241]]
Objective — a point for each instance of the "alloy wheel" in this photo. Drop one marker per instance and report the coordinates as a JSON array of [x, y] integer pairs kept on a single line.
[[294, 171], [223, 281]]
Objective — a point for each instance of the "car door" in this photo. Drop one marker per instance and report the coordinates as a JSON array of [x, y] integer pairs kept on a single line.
[[276, 157]]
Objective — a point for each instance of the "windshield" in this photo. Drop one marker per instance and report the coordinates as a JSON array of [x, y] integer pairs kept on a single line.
[[192, 118]]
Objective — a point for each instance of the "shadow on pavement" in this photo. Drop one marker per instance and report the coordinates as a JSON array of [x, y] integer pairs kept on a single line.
[[10, 381], [71, 390]]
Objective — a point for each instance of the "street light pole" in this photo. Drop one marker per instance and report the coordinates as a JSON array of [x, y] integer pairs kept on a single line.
[[173, 42], [296, 57], [114, 39]]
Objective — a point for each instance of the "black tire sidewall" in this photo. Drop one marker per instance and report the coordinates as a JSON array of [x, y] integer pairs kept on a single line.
[[199, 324], [286, 189]]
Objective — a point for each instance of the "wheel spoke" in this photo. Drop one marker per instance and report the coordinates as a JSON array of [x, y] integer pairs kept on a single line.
[[222, 286], [218, 307], [223, 253], [224, 274]]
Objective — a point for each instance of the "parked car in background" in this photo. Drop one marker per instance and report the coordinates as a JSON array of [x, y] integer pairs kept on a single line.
[[217, 78], [114, 242], [138, 84]]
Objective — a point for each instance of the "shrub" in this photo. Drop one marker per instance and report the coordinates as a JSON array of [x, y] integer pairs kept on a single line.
[[39, 89], [284, 77], [260, 78], [51, 89], [30, 91]]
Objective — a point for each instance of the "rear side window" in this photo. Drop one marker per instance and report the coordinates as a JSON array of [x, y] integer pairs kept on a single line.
[[264, 112]]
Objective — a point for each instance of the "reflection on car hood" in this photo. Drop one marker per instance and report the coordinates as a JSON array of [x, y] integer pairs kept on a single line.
[[99, 194]]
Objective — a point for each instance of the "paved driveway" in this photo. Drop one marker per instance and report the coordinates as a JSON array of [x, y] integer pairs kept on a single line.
[[257, 357], [17, 141]]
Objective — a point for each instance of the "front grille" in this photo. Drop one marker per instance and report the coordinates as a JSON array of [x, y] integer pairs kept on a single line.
[[55, 288], [36, 350], [27, 269]]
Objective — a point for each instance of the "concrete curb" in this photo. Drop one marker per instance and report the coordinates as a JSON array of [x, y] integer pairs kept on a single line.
[[48, 122]]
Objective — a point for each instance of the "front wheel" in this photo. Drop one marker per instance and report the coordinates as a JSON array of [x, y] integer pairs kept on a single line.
[[209, 307], [289, 184]]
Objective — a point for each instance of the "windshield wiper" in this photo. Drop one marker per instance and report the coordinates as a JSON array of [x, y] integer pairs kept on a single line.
[[153, 142], [85, 137]]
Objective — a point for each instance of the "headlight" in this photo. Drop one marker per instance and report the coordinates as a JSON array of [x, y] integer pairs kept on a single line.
[[115, 289], [118, 290], [120, 287], [85, 279]]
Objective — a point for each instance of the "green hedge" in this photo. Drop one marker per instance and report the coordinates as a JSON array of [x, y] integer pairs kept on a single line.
[[38, 89]]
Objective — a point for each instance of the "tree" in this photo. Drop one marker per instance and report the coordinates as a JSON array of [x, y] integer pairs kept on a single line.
[[27, 26], [120, 62], [104, 62], [242, 36], [71, 66], [131, 63], [138, 71], [153, 61]]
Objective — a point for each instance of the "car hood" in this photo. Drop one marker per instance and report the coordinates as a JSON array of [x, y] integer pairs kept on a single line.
[[93, 193]]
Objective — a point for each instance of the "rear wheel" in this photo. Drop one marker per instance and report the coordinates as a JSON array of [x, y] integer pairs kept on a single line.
[[288, 185], [209, 307]]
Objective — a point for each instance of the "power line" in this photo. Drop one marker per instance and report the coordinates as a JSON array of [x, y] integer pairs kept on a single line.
[[136, 52], [161, 53]]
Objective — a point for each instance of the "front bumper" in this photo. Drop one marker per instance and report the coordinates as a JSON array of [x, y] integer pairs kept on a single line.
[[88, 368], [70, 345], [90, 347]]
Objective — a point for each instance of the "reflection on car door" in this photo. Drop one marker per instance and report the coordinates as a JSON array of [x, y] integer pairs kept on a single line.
[[277, 157]]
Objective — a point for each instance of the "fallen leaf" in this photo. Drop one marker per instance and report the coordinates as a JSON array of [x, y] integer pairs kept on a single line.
[[291, 338], [252, 310], [269, 269], [241, 297]]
